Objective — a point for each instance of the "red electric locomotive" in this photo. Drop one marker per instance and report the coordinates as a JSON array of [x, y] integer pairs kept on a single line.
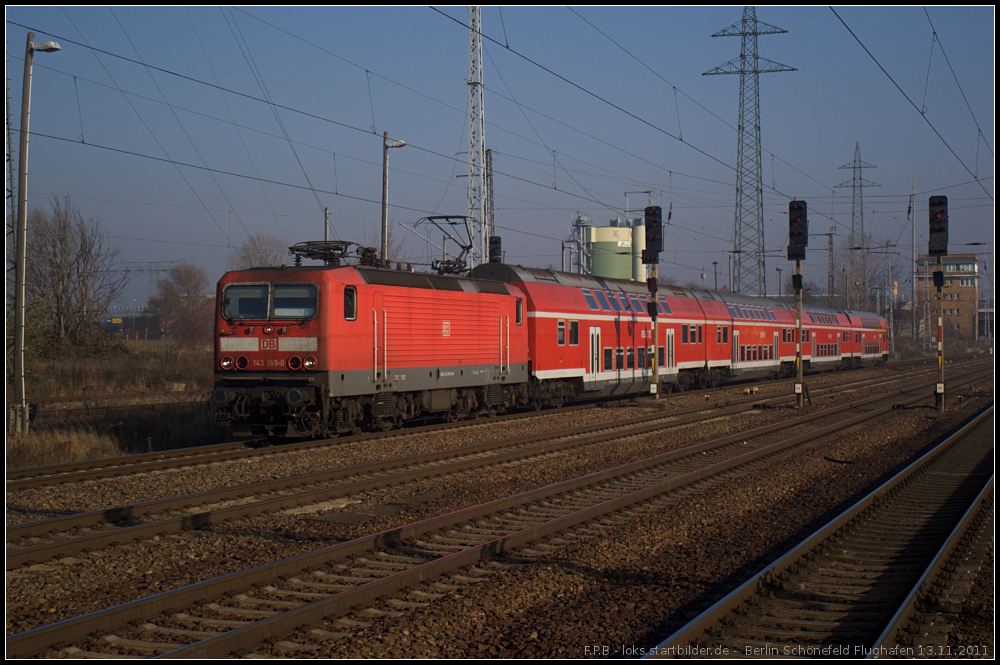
[[314, 351], [322, 350]]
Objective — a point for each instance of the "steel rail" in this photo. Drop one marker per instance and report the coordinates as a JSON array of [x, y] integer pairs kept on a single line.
[[551, 442], [72, 630], [28, 478], [687, 640]]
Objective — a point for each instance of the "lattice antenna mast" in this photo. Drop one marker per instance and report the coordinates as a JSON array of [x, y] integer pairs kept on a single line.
[[748, 236], [476, 217], [857, 185]]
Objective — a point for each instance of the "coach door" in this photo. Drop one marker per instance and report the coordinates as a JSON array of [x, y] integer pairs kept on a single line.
[[736, 347], [590, 378], [670, 359]]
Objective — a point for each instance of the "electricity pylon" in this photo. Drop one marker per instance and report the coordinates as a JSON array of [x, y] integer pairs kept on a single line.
[[476, 218], [857, 185], [748, 236]]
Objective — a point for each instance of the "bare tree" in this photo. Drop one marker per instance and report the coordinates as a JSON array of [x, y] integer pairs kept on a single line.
[[70, 269], [183, 303], [259, 250]]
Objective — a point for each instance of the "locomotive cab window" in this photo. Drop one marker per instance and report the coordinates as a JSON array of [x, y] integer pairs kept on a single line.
[[294, 301], [266, 302], [519, 311], [245, 302], [350, 303]]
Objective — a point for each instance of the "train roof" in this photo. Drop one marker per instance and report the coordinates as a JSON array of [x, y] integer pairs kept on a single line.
[[517, 273], [423, 280], [389, 277]]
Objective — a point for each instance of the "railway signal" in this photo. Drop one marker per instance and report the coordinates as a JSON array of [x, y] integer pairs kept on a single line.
[[798, 238], [937, 243], [651, 256], [654, 234], [495, 250], [798, 230]]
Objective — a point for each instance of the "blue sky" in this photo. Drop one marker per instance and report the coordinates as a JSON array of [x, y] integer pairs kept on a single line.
[[106, 129]]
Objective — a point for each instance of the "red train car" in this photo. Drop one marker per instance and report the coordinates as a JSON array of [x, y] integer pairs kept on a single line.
[[321, 350], [310, 351]]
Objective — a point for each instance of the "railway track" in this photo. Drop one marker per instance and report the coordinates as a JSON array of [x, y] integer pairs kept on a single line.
[[270, 601], [859, 586], [19, 479], [40, 541]]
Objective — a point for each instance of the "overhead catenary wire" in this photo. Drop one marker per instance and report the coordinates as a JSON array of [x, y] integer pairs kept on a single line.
[[905, 96], [148, 129]]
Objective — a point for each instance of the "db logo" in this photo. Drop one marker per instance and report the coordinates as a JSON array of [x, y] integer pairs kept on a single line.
[[268, 345], [446, 329]]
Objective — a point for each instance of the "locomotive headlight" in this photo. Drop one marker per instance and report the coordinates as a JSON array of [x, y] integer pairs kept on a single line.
[[268, 330], [241, 363], [310, 362], [226, 363], [294, 362]]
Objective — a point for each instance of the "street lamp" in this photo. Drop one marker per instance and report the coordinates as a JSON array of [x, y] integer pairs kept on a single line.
[[20, 405], [384, 253]]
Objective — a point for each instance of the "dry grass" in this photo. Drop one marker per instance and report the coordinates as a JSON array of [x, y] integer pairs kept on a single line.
[[112, 434], [149, 366], [59, 446]]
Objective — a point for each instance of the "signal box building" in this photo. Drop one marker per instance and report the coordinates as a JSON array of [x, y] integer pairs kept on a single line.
[[960, 294]]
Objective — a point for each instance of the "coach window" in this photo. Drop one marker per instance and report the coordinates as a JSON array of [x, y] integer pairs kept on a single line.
[[684, 334], [636, 305], [725, 334], [642, 357], [604, 302], [718, 334], [615, 305], [608, 359], [630, 358], [574, 333], [561, 333], [699, 334], [589, 297], [619, 358], [350, 303]]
